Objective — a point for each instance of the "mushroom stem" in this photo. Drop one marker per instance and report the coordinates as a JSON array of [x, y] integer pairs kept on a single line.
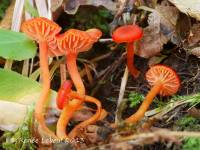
[[145, 104], [63, 120], [130, 60], [74, 104], [45, 87], [74, 74], [91, 120], [68, 111]]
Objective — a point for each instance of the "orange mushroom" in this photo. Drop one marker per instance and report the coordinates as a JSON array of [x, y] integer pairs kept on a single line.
[[128, 34], [64, 101], [72, 42], [164, 81], [42, 30]]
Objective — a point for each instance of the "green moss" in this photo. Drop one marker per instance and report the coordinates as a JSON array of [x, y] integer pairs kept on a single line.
[[188, 123], [191, 144], [135, 98], [20, 139]]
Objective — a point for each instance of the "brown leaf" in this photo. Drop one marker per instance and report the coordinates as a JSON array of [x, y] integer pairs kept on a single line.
[[194, 112], [161, 29], [195, 51], [94, 133], [194, 36], [71, 6], [82, 114], [55, 4], [156, 60], [151, 43], [192, 43]]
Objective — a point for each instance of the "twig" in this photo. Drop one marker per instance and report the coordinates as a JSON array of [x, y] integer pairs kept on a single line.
[[63, 73], [162, 132], [151, 137], [121, 93], [106, 40]]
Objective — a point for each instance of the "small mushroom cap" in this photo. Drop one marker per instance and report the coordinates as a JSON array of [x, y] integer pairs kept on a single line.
[[95, 34], [127, 34], [53, 49], [62, 97], [40, 29], [166, 76], [75, 41]]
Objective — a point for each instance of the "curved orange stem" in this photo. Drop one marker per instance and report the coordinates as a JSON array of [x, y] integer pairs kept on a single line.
[[145, 104], [91, 120], [74, 104], [45, 88], [68, 111], [130, 60]]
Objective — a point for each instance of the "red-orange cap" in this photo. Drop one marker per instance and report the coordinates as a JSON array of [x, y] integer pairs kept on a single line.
[[75, 41], [40, 29], [63, 94], [169, 79], [127, 34], [53, 49], [94, 33]]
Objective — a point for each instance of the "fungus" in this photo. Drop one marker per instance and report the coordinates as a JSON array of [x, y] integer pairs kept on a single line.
[[65, 100], [72, 42], [128, 34], [164, 81], [42, 30]]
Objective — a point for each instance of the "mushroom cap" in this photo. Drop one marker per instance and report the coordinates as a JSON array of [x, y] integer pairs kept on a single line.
[[127, 34], [63, 94], [53, 49], [40, 29], [94, 33], [169, 79], [75, 41]]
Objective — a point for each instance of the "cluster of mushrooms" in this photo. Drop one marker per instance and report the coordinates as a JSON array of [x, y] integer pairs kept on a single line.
[[164, 80]]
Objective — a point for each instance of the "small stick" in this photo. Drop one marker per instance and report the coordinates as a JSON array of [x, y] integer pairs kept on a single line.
[[121, 93]]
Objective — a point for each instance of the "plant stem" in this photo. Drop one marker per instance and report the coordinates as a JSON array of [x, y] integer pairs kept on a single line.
[[145, 104], [130, 60], [43, 54], [8, 64], [63, 120]]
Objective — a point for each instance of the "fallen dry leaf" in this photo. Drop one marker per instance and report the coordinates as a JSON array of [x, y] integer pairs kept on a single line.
[[161, 29], [189, 7], [82, 114], [192, 43], [55, 4], [156, 60], [195, 51], [194, 112], [194, 36], [71, 6], [96, 133]]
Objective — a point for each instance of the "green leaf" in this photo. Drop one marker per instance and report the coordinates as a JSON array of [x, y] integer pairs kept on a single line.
[[16, 46], [16, 93]]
